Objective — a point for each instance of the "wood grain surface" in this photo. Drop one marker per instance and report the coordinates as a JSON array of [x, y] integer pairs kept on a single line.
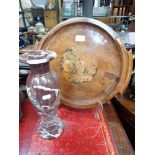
[[92, 63]]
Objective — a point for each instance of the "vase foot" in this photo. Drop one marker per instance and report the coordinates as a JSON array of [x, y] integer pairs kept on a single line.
[[53, 131]]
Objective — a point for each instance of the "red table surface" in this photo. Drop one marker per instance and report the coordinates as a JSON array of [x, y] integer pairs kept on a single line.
[[83, 134]]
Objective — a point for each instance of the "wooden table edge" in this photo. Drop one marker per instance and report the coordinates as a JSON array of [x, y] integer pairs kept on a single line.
[[121, 140]]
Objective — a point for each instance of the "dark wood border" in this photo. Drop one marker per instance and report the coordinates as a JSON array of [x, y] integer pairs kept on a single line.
[[122, 142]]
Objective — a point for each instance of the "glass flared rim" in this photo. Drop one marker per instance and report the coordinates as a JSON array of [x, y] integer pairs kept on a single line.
[[37, 56]]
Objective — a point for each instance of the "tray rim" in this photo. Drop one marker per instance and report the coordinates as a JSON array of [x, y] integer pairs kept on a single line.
[[126, 59]]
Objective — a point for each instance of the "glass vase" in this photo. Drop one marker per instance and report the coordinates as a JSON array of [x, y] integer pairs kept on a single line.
[[43, 91]]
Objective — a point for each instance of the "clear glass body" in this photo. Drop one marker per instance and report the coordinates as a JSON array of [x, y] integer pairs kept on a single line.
[[124, 34], [68, 9], [44, 93]]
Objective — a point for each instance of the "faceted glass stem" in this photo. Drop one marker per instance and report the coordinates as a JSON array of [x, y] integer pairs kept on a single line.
[[50, 126]]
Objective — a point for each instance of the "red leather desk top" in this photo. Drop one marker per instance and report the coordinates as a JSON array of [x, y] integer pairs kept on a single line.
[[83, 134]]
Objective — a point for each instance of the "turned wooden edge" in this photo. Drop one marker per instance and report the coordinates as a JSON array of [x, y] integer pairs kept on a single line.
[[73, 21], [126, 56], [127, 68], [128, 73]]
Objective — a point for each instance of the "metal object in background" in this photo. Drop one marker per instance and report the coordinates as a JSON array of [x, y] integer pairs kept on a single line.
[[132, 18], [40, 3], [22, 12], [40, 29], [124, 31], [88, 8], [68, 8], [102, 8], [22, 40], [72, 8], [37, 12]]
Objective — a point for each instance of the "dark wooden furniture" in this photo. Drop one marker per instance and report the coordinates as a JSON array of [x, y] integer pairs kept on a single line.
[[123, 7], [125, 108], [122, 142]]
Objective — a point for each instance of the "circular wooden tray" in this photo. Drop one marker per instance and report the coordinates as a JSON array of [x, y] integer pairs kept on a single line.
[[92, 63]]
